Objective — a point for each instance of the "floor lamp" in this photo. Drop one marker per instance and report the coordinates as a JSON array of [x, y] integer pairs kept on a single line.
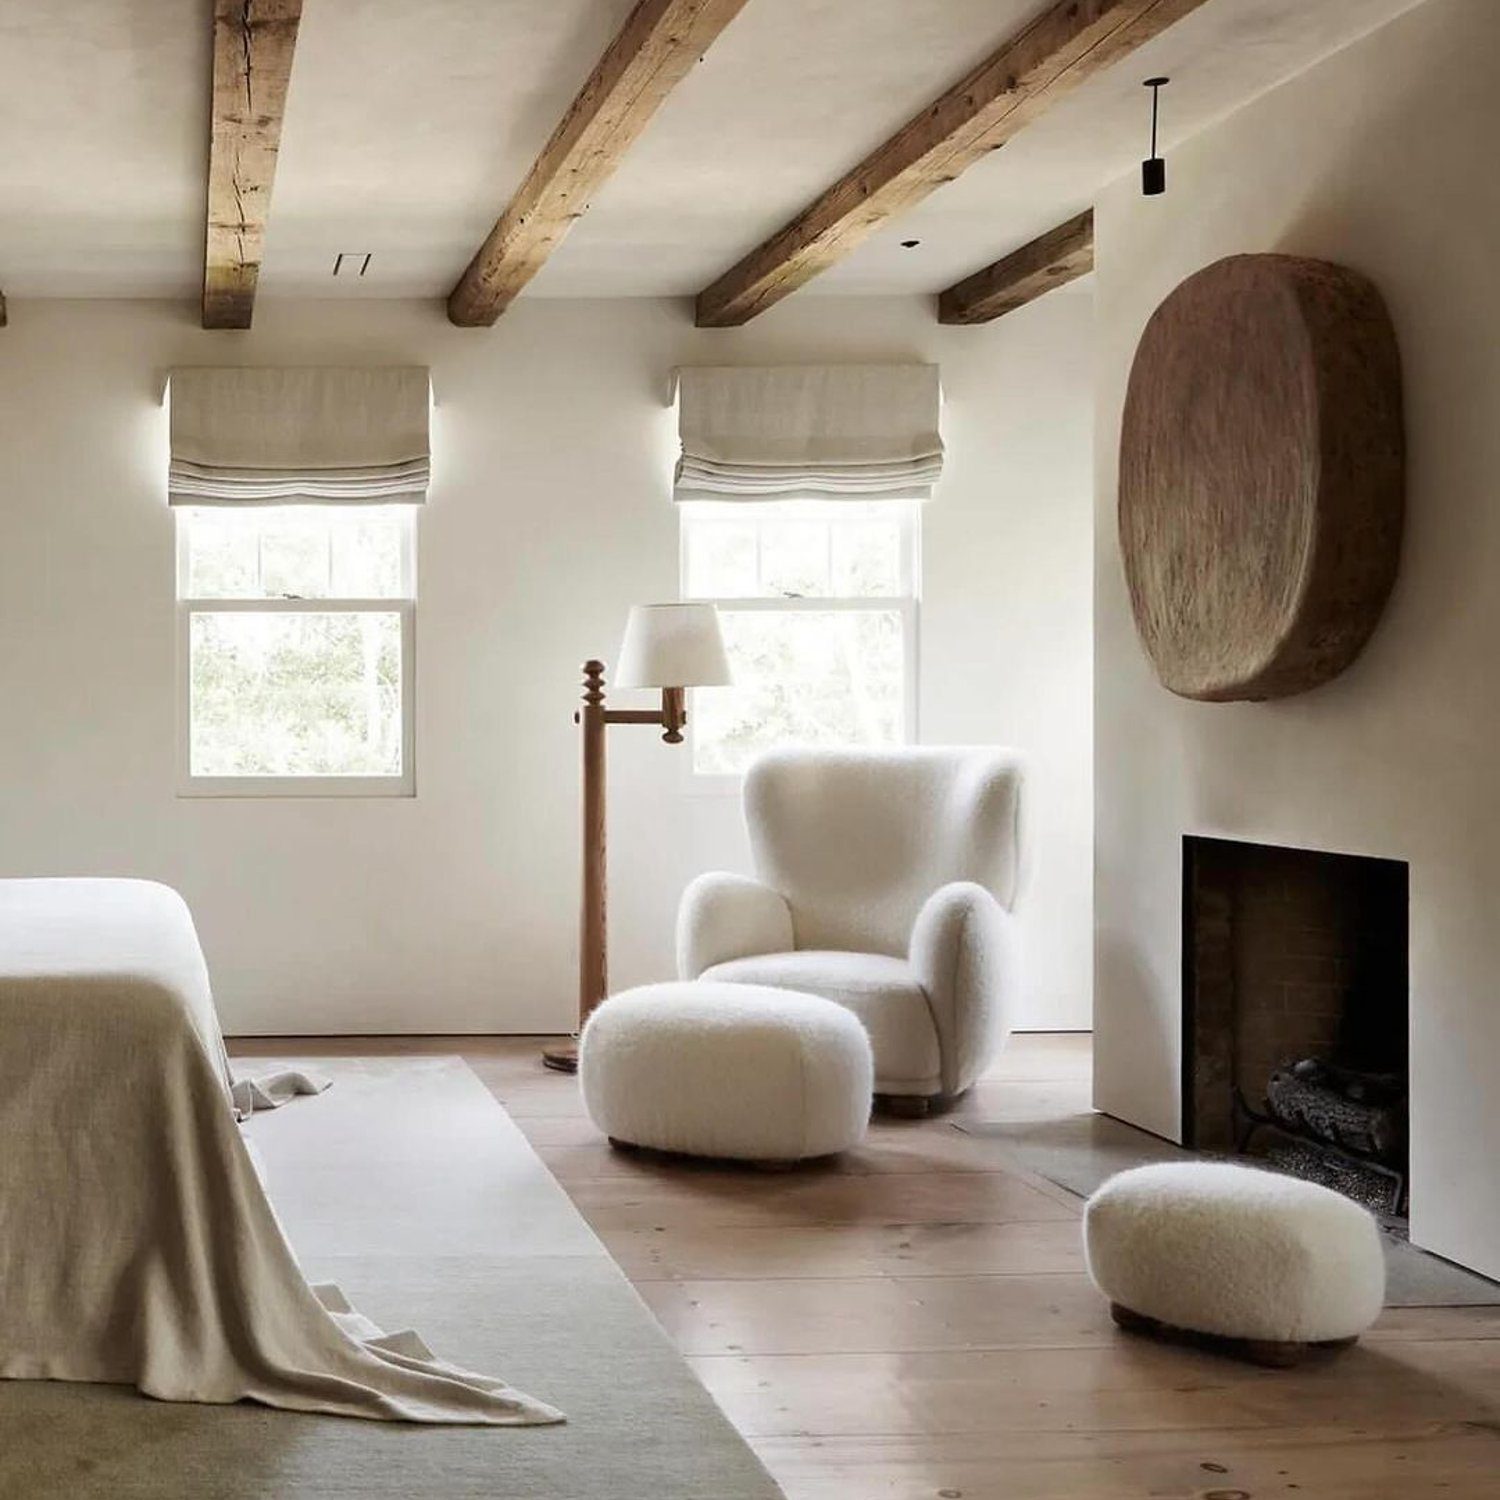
[[668, 646]]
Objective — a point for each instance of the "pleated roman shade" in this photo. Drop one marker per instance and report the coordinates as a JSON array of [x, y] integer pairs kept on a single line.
[[243, 436], [853, 432]]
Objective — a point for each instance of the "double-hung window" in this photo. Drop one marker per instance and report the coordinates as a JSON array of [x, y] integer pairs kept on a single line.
[[818, 602], [296, 635]]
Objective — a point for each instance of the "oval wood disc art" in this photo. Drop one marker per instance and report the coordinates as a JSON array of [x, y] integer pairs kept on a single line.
[[1261, 476]]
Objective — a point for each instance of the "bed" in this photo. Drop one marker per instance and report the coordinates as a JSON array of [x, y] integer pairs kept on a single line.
[[137, 1244]]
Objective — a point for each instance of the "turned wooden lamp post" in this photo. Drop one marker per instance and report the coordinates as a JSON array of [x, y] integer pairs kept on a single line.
[[668, 646]]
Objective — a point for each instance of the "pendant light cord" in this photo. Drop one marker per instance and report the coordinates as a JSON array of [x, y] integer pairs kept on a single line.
[[1155, 85]]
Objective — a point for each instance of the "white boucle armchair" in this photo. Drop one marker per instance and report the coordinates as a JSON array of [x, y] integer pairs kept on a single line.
[[885, 882]]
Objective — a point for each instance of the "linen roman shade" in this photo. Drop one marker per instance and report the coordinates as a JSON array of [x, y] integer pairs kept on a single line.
[[813, 431], [243, 436]]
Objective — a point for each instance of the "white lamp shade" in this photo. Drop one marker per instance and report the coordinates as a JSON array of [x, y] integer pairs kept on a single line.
[[672, 645]]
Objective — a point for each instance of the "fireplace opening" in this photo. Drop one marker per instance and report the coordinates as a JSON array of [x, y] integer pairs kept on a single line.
[[1295, 1013]]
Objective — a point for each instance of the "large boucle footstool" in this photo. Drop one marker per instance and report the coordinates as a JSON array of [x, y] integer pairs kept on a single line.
[[727, 1070], [1209, 1248]]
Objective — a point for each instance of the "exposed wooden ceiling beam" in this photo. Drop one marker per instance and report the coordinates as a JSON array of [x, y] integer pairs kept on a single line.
[[1052, 259], [659, 42], [1061, 49], [253, 45]]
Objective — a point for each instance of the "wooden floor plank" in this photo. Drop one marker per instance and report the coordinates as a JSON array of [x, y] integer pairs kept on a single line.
[[912, 1323], [880, 1314], [677, 1197], [1118, 1386], [1399, 1324], [1350, 1462], [892, 1147], [688, 1253]]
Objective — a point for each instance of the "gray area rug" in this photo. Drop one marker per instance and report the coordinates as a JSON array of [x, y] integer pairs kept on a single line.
[[411, 1188], [1078, 1153]]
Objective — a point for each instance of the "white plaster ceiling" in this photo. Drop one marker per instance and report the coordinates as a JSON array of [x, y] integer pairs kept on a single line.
[[409, 124]]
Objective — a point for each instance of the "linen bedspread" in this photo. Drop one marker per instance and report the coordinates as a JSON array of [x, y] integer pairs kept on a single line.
[[137, 1244]]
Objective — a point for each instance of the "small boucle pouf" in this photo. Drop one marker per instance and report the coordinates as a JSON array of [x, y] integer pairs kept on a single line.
[[1218, 1249], [731, 1070]]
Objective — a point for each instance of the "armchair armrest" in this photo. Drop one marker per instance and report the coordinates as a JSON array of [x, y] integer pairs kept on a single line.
[[963, 950], [729, 916]]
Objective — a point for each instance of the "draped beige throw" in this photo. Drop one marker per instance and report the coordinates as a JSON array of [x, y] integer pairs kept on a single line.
[[136, 1242]]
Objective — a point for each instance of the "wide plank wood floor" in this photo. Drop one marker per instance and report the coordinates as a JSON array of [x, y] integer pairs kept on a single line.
[[913, 1323]]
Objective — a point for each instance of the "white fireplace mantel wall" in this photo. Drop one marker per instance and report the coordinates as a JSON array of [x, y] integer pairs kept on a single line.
[[1380, 157]]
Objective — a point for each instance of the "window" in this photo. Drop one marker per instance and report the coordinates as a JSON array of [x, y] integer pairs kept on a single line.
[[295, 637], [818, 601]]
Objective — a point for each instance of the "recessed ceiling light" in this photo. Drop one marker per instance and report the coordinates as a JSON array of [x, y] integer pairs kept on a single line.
[[352, 262]]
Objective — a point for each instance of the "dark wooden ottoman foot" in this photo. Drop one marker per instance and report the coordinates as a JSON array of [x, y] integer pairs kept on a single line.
[[716, 1163], [1272, 1354]]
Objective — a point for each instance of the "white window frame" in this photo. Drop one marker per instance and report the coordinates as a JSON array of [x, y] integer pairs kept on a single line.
[[908, 601], [404, 604]]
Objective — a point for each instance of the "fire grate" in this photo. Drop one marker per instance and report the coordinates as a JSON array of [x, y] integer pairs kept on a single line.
[[1309, 1144]]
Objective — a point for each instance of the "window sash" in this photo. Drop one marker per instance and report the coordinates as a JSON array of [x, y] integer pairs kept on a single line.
[[404, 605], [185, 514], [701, 515], [906, 602]]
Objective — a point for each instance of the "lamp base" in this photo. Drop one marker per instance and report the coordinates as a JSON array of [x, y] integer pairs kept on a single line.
[[563, 1058]]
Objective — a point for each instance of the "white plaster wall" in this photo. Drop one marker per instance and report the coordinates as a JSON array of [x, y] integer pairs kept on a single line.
[[549, 514], [1382, 158]]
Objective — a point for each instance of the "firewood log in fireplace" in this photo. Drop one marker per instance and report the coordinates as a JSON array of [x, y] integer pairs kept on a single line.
[[1362, 1113]]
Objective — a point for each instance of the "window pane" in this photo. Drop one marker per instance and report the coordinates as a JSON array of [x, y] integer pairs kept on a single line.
[[721, 561], [867, 559], [294, 553], [806, 549], [794, 559], [295, 694], [810, 677], [223, 551], [367, 553]]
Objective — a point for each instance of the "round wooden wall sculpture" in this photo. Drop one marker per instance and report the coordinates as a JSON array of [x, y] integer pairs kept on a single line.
[[1261, 476]]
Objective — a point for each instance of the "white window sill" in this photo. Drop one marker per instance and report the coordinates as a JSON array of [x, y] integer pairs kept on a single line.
[[297, 786]]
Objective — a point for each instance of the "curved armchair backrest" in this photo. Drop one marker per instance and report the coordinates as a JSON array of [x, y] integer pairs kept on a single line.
[[857, 840]]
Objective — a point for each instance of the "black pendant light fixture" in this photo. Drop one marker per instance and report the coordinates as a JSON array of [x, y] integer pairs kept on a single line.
[[1154, 168]]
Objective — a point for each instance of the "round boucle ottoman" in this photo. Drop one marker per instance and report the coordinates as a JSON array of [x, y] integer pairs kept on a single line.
[[1209, 1248], [731, 1070]]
